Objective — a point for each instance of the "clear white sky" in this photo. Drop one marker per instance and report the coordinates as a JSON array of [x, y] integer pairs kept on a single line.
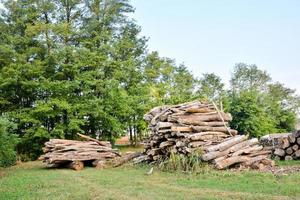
[[213, 35]]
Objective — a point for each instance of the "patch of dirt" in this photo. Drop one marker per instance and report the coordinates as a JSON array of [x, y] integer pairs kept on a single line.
[[285, 170]]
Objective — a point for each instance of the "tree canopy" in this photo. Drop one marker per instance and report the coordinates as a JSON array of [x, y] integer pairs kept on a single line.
[[69, 66]]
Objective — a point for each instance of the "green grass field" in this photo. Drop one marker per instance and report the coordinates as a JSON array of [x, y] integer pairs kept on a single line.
[[32, 181]]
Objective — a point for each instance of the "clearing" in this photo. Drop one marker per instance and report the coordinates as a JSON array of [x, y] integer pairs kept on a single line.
[[32, 181]]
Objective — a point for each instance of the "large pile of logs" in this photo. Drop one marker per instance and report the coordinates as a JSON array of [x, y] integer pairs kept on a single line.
[[288, 148], [74, 154], [195, 126]]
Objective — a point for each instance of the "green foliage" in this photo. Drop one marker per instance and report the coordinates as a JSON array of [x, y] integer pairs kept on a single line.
[[8, 142], [258, 106], [249, 115], [211, 88]]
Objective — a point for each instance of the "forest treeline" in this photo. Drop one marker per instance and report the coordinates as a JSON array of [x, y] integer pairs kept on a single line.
[[69, 66]]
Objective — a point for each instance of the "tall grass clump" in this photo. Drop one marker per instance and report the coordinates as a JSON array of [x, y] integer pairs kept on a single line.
[[190, 163]]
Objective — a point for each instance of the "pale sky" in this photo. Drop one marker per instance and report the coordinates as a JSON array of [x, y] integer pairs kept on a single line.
[[213, 35]]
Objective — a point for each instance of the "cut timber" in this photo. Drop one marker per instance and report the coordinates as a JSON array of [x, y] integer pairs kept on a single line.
[[198, 110], [209, 128], [199, 144], [102, 143], [297, 154], [203, 118], [207, 135], [181, 129], [248, 150], [279, 152], [224, 145], [200, 123], [285, 143], [288, 158], [215, 154], [76, 165], [289, 151], [292, 138], [295, 147], [230, 161]]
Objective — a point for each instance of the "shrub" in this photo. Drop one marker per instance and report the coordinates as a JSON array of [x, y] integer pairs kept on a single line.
[[8, 142]]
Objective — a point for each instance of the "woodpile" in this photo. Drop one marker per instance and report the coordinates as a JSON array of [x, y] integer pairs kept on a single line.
[[288, 147], [185, 128], [75, 154]]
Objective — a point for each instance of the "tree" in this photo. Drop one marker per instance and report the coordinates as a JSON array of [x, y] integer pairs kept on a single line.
[[248, 77], [211, 88], [249, 114], [259, 106], [8, 142]]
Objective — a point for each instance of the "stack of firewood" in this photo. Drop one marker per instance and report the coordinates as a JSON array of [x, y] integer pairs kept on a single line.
[[288, 148], [195, 126], [74, 154]]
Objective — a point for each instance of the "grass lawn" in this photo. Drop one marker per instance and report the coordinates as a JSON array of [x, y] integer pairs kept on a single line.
[[32, 181]]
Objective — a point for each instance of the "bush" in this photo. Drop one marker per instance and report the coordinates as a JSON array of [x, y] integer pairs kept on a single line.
[[8, 142], [250, 116]]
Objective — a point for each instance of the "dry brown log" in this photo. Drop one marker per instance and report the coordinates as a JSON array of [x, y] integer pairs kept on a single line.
[[265, 152], [181, 129], [203, 118], [76, 165], [161, 125], [102, 143], [248, 150], [288, 158], [289, 151], [297, 154], [215, 154], [200, 123], [292, 138], [295, 147], [216, 129], [165, 144], [225, 145], [284, 143], [230, 161], [199, 144], [198, 110], [298, 140], [279, 152], [255, 159], [207, 135]]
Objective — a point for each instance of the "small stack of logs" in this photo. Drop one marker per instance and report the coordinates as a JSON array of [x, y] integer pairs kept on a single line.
[[74, 154], [195, 126], [288, 148]]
